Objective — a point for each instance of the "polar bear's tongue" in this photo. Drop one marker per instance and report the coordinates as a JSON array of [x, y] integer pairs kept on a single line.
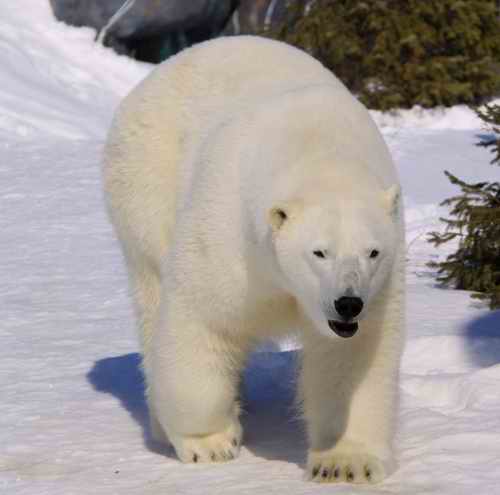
[[343, 329]]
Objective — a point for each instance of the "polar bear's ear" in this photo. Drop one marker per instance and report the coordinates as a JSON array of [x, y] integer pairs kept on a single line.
[[282, 212], [278, 215], [391, 199]]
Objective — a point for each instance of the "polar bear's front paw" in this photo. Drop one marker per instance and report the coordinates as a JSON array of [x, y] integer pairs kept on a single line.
[[217, 447], [337, 465]]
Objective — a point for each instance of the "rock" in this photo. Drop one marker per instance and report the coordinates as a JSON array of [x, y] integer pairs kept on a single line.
[[255, 16], [146, 18], [152, 29]]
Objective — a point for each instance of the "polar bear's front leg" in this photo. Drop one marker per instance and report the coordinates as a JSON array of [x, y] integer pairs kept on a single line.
[[195, 374], [349, 391]]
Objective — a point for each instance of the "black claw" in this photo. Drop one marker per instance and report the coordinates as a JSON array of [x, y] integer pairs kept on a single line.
[[315, 471], [368, 473], [336, 473], [235, 442], [324, 474], [212, 456], [350, 476], [195, 457]]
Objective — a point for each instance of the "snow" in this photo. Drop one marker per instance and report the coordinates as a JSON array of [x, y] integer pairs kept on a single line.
[[459, 117], [72, 411]]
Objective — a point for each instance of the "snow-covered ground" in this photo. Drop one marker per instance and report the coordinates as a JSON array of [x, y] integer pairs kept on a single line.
[[72, 412]]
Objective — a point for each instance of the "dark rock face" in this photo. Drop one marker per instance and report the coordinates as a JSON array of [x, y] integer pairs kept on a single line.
[[150, 26], [146, 17], [254, 16]]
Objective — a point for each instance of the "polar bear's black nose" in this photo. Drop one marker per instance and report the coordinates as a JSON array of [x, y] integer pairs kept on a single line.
[[349, 307]]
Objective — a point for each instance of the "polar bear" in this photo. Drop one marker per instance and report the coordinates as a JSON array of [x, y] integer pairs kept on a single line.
[[253, 195]]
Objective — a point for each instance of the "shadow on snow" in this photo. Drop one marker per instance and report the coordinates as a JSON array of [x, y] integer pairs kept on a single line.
[[483, 339], [272, 429]]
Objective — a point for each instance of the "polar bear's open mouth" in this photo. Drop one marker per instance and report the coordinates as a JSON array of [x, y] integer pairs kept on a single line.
[[343, 329]]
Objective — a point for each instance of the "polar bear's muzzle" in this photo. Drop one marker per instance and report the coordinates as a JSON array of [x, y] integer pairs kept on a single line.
[[347, 307], [343, 329]]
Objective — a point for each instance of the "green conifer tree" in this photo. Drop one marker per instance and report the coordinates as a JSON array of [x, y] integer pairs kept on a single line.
[[475, 223], [400, 53]]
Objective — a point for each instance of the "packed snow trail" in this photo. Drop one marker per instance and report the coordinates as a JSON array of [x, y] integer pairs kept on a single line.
[[72, 406]]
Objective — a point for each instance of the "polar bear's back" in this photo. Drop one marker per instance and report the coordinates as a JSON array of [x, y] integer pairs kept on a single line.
[[209, 82], [224, 74]]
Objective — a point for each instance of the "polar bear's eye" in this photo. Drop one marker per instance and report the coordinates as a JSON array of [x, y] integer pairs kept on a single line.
[[374, 253], [320, 254]]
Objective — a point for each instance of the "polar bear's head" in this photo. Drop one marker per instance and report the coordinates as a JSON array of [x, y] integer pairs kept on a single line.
[[336, 255]]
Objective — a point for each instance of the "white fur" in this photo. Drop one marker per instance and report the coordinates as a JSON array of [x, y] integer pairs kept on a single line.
[[201, 160]]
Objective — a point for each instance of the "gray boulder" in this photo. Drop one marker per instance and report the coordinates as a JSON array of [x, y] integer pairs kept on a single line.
[[255, 16], [146, 18]]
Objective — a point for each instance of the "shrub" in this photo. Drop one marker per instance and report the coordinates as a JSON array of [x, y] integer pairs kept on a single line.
[[475, 265], [400, 53]]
